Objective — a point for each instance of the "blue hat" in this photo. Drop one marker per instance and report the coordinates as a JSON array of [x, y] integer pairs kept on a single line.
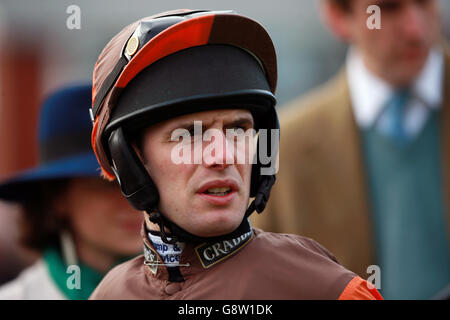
[[64, 144]]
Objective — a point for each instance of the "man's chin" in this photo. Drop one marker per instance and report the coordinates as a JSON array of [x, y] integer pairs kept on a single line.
[[411, 64], [406, 73], [217, 229]]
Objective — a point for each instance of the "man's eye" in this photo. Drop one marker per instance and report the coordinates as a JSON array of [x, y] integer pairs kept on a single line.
[[236, 132], [193, 132], [179, 134], [423, 2], [390, 6], [238, 129]]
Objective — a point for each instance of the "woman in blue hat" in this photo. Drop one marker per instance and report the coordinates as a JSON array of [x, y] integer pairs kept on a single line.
[[80, 223]]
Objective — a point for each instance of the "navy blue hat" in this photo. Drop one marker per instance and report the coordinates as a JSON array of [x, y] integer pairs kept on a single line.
[[64, 143]]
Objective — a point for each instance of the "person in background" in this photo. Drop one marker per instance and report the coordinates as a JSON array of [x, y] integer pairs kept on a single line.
[[365, 159], [70, 215], [13, 256]]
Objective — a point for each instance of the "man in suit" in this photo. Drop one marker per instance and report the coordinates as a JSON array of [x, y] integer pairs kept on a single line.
[[364, 160]]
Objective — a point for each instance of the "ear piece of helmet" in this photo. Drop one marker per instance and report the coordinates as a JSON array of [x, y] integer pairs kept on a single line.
[[262, 184], [134, 180]]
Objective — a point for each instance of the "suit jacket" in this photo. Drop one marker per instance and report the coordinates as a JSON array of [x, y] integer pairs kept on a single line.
[[321, 188]]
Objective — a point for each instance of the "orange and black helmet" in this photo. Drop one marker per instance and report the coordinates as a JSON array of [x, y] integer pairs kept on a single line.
[[171, 64]]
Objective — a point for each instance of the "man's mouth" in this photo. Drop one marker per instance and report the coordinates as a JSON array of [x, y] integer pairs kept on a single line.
[[218, 187], [220, 192]]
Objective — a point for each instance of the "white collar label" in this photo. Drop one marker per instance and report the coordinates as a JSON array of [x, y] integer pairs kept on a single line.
[[169, 253]]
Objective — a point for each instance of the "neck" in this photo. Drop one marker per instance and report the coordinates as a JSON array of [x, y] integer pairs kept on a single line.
[[96, 258], [150, 225], [181, 235]]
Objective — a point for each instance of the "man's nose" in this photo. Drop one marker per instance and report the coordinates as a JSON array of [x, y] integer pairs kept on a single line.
[[218, 152]]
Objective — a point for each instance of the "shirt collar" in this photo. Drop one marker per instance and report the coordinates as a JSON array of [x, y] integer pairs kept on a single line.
[[60, 273], [369, 93], [195, 257], [429, 83]]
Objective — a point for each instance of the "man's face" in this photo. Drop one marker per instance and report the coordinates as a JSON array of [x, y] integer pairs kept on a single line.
[[398, 51], [207, 197]]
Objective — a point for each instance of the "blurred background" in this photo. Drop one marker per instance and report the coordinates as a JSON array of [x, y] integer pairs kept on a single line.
[[39, 53]]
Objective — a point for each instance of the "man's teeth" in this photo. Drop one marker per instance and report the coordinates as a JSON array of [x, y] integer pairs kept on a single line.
[[219, 191]]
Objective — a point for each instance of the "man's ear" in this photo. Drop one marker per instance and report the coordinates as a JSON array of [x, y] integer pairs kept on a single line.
[[336, 19]]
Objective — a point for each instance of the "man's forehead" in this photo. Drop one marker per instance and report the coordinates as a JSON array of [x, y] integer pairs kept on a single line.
[[225, 115]]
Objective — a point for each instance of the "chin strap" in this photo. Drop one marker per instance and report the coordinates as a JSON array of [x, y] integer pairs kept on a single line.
[[157, 218], [262, 196], [177, 234]]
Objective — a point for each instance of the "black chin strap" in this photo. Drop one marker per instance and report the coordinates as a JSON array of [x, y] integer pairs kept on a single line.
[[262, 196], [163, 223], [177, 234]]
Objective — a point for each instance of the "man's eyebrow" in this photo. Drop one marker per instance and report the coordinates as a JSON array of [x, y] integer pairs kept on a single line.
[[241, 121], [188, 125], [237, 121], [184, 125]]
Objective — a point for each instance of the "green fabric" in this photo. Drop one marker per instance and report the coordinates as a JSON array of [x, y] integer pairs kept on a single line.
[[408, 213], [89, 278]]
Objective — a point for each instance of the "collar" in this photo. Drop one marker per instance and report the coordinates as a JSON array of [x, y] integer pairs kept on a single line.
[[195, 257], [369, 93], [61, 275]]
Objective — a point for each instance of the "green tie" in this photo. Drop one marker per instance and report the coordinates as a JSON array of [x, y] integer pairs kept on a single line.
[[395, 108]]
